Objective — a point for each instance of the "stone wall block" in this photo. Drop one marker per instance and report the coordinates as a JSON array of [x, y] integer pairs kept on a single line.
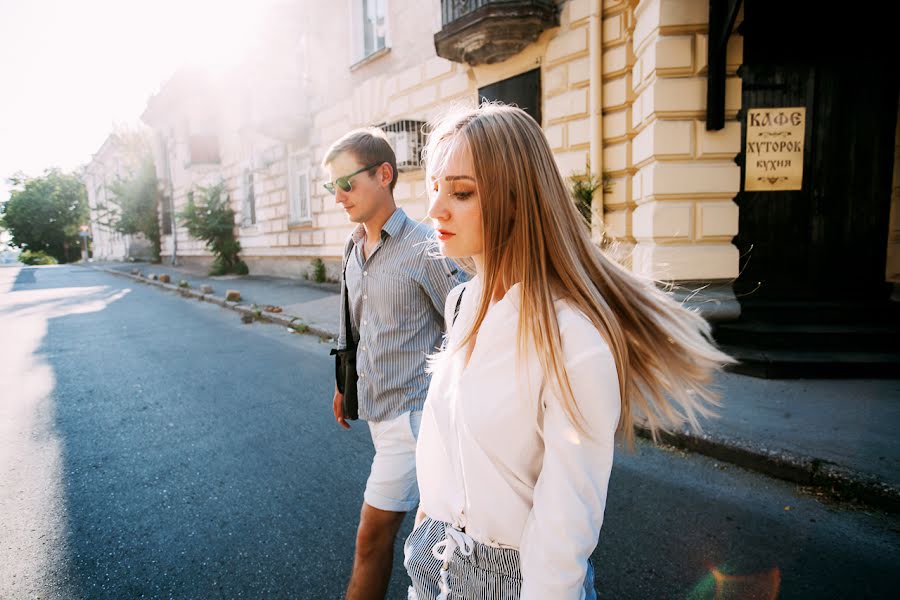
[[567, 44], [674, 53], [725, 141], [685, 262], [669, 219], [717, 219], [667, 178], [579, 132], [572, 103]]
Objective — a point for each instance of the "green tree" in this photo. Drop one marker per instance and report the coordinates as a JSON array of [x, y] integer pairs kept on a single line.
[[134, 204], [44, 213], [134, 200], [212, 220]]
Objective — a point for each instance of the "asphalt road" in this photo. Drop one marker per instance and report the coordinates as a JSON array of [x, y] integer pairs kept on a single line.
[[156, 447]]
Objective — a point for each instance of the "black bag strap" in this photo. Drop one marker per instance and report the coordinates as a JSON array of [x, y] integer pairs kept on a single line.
[[345, 299], [458, 303]]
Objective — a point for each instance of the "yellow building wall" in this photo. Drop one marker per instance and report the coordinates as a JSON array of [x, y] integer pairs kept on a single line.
[[676, 180]]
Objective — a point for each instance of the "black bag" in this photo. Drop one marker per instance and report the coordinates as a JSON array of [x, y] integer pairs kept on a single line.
[[345, 358]]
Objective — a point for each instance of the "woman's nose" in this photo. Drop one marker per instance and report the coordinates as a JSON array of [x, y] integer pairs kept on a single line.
[[438, 210]]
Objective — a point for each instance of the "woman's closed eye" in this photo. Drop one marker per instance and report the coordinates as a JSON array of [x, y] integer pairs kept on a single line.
[[462, 194]]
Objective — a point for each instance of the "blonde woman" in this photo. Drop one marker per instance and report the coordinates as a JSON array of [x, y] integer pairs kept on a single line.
[[552, 349]]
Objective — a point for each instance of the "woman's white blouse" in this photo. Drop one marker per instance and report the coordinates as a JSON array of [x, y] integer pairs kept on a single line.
[[497, 453]]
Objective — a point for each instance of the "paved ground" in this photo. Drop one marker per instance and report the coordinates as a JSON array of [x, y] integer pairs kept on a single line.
[[840, 435], [156, 447]]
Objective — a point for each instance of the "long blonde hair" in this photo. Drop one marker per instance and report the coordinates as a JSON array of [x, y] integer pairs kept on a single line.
[[534, 235]]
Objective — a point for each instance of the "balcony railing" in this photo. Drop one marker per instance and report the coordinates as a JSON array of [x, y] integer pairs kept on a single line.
[[489, 31]]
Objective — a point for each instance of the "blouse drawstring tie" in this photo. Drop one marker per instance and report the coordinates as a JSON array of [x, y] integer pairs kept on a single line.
[[443, 551]]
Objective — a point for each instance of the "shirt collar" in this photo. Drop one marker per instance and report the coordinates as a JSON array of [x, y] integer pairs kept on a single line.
[[392, 227], [395, 224]]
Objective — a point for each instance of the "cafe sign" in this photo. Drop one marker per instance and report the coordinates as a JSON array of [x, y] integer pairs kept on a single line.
[[774, 152]]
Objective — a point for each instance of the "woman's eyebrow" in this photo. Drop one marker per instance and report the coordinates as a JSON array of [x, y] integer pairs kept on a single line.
[[456, 177]]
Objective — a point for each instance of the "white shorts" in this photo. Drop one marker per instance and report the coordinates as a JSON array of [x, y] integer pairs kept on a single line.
[[392, 483]]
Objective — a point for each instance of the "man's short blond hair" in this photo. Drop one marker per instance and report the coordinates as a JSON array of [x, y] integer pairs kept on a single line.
[[368, 145]]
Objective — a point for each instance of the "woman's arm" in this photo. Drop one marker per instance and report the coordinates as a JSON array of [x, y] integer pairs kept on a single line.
[[570, 493]]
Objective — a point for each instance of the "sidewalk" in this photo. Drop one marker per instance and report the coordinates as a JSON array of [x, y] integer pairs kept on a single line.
[[841, 437], [306, 304]]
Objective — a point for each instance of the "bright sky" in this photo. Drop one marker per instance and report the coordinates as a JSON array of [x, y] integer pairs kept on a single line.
[[72, 71]]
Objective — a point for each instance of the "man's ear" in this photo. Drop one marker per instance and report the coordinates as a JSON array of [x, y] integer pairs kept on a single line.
[[385, 174]]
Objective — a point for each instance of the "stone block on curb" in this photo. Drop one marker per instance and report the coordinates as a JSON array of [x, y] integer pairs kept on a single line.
[[206, 288], [233, 296]]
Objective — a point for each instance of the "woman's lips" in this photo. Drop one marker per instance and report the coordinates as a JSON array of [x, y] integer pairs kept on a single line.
[[444, 235]]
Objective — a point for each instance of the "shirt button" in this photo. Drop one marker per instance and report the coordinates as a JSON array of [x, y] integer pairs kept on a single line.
[[365, 322], [365, 273], [365, 297]]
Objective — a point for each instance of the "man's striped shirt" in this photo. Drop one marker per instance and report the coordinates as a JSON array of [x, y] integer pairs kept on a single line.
[[397, 313]]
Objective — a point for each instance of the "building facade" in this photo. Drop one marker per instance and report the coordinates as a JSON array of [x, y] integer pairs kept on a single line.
[[657, 94], [114, 160]]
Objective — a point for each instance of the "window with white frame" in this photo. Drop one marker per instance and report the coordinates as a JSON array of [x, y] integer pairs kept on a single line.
[[300, 210], [374, 25], [249, 193], [370, 27]]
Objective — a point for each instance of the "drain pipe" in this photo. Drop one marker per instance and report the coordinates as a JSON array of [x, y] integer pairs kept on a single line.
[[595, 47]]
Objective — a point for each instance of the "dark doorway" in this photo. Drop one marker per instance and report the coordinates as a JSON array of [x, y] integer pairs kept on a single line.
[[522, 90], [827, 240]]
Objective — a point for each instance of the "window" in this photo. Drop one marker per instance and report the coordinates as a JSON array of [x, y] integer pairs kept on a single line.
[[368, 28], [300, 211], [249, 208], [374, 28], [522, 90]]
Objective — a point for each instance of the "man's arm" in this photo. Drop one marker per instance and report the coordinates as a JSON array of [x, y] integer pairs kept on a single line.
[[440, 276]]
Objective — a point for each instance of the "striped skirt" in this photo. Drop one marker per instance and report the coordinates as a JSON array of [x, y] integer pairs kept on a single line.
[[488, 573]]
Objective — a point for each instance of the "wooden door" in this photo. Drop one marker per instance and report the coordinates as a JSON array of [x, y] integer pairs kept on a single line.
[[827, 240]]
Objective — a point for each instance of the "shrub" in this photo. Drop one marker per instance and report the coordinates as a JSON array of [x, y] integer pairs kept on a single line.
[[584, 185], [318, 268], [212, 220], [36, 258]]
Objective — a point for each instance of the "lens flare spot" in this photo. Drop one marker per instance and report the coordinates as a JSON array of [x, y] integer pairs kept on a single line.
[[719, 585]]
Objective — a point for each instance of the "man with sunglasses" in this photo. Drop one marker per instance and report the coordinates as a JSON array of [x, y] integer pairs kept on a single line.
[[396, 291]]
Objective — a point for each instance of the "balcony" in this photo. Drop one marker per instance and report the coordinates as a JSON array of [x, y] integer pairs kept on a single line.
[[489, 31], [203, 150]]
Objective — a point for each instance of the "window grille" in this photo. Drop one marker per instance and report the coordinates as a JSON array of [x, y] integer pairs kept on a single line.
[[407, 138]]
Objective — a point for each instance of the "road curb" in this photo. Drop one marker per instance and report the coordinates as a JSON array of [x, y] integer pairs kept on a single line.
[[834, 480], [295, 323]]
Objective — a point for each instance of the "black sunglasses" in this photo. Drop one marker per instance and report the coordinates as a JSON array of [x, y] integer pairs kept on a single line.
[[344, 182]]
